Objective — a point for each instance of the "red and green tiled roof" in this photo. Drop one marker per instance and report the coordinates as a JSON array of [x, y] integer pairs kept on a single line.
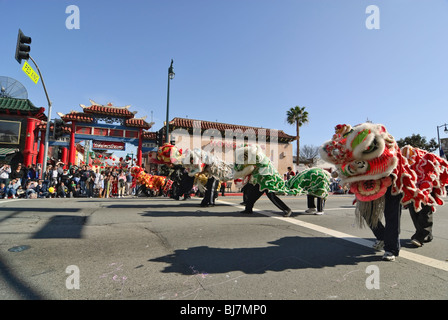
[[21, 107], [108, 110], [139, 123], [6, 151], [77, 116], [149, 135], [43, 126], [96, 110], [222, 127]]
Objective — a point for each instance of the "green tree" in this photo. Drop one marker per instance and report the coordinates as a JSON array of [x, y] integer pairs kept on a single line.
[[297, 116], [418, 141]]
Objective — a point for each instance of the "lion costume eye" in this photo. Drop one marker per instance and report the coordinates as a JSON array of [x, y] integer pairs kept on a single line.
[[347, 133]]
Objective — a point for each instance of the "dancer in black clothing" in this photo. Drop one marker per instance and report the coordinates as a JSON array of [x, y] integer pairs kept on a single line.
[[211, 192], [253, 193]]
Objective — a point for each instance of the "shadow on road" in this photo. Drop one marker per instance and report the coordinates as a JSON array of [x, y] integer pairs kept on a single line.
[[18, 210], [62, 226], [39, 209], [282, 254], [8, 278]]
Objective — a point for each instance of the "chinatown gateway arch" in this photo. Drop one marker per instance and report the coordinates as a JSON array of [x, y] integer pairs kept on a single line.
[[118, 128]]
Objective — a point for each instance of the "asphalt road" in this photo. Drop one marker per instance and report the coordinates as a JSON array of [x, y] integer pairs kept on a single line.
[[162, 249]]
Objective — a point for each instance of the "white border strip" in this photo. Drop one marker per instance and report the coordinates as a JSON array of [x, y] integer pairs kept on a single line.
[[8, 200]]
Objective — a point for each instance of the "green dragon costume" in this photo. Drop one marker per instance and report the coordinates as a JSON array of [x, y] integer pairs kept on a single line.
[[251, 165], [313, 181]]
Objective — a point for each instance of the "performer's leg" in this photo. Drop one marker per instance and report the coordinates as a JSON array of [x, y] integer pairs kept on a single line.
[[253, 194], [392, 215], [279, 203], [310, 201], [320, 204], [245, 190], [208, 193], [423, 224], [378, 231], [214, 191]]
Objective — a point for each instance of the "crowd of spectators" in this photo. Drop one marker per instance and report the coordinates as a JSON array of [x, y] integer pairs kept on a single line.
[[59, 182]]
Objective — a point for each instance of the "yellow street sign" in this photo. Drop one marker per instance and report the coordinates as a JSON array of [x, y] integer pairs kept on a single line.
[[30, 72]]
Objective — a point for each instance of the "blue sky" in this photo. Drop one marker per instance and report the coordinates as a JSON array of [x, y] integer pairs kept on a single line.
[[242, 61]]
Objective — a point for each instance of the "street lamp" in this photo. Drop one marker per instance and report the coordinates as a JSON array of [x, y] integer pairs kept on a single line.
[[170, 77], [438, 136]]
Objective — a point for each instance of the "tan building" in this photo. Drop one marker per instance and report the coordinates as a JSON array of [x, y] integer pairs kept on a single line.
[[221, 139]]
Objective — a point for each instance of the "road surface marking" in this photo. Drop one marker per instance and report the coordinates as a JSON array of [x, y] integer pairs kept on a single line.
[[439, 264]]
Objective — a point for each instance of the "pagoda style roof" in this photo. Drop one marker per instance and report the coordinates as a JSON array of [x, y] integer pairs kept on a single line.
[[149, 135], [222, 127], [77, 116], [21, 107], [108, 109], [108, 112], [140, 123], [65, 128]]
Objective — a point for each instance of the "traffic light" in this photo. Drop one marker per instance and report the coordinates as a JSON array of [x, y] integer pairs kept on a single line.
[[58, 130], [159, 138], [22, 49]]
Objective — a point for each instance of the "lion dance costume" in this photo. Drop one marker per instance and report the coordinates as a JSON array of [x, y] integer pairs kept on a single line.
[[368, 158], [251, 166]]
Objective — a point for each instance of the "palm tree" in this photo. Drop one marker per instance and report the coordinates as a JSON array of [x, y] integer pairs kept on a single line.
[[297, 116]]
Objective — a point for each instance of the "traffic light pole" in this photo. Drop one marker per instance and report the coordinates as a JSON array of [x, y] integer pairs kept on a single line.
[[47, 131]]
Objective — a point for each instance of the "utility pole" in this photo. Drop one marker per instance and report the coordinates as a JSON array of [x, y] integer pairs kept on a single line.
[[22, 53]]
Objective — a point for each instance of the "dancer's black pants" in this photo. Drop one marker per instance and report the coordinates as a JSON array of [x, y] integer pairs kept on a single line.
[[423, 222], [211, 192], [390, 232], [312, 205], [253, 194]]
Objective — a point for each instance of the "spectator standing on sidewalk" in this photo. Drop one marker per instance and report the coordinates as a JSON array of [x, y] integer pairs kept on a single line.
[[121, 183], [128, 183]]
